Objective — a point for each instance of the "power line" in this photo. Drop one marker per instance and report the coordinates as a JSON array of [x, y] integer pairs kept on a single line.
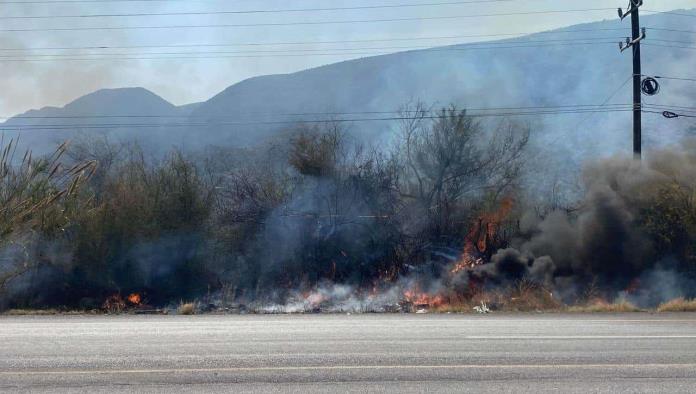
[[300, 23], [672, 13], [605, 103], [243, 12], [674, 41], [283, 51], [323, 42], [157, 1], [98, 1], [681, 107], [510, 108], [123, 57], [673, 78], [523, 41], [488, 43], [285, 122], [672, 30], [176, 1], [669, 46], [281, 122]]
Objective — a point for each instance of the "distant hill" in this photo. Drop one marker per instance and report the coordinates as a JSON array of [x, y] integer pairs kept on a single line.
[[465, 75], [102, 111], [471, 77]]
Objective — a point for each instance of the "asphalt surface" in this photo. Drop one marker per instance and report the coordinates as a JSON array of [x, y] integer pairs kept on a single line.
[[342, 353]]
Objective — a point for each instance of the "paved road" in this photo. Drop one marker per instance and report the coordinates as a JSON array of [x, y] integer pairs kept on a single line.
[[358, 353]]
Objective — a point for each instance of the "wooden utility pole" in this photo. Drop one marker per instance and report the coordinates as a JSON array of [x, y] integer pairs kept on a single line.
[[637, 35]]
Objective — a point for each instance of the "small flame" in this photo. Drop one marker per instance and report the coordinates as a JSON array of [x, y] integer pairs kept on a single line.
[[465, 263], [416, 297], [135, 299]]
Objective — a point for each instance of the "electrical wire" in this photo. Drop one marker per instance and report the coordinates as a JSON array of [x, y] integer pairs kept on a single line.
[[316, 42], [299, 23], [671, 30], [101, 1], [520, 108], [603, 104], [680, 107], [671, 41], [674, 78], [230, 55], [473, 44], [668, 46], [91, 126], [537, 112], [246, 12], [158, 1], [671, 13]]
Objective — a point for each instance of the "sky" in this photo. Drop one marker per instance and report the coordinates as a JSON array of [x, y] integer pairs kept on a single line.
[[287, 42]]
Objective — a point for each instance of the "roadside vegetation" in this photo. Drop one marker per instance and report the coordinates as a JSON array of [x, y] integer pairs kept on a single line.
[[188, 308], [678, 305], [100, 220], [601, 306]]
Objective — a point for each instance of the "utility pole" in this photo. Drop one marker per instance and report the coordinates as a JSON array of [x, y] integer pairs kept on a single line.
[[637, 35]]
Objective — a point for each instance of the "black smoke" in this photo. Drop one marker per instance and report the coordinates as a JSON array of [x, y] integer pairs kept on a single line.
[[634, 217]]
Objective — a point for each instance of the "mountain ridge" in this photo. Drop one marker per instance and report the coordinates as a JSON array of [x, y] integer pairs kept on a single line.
[[542, 74]]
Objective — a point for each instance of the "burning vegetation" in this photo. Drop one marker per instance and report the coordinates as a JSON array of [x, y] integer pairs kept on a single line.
[[318, 223], [115, 303], [482, 237]]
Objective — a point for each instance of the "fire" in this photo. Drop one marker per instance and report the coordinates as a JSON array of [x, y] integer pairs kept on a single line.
[[115, 303], [135, 299], [482, 233], [465, 263], [416, 297]]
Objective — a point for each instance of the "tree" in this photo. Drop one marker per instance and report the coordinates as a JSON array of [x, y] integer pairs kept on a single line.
[[315, 151], [448, 156]]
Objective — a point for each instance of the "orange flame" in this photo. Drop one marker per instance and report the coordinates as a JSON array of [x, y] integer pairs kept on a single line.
[[416, 297], [135, 299], [482, 233]]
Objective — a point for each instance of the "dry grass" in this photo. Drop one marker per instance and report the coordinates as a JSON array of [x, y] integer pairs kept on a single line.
[[29, 312], [678, 305], [188, 308], [523, 297], [528, 297], [601, 306], [46, 312]]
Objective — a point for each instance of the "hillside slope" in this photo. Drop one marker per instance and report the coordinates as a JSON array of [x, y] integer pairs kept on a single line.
[[472, 77], [543, 72]]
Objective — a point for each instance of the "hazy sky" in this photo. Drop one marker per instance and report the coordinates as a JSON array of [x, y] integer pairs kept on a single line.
[[25, 85]]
